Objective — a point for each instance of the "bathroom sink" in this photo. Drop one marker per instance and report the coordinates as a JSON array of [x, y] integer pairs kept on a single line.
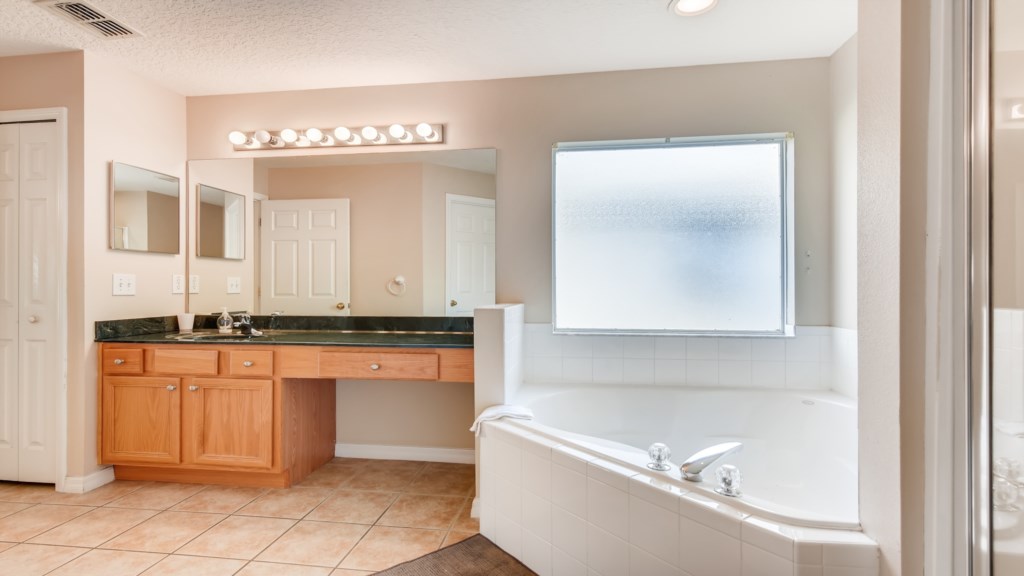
[[202, 337]]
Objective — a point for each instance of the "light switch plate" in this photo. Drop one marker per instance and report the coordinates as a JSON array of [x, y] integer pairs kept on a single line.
[[193, 284], [234, 285], [177, 283], [124, 285]]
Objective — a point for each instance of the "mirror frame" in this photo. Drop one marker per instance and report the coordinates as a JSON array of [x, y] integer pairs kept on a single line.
[[112, 189]]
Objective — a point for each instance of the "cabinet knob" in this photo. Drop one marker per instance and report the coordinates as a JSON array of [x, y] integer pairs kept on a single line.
[[248, 363], [172, 387], [374, 366], [453, 303], [33, 319], [340, 306], [193, 388], [118, 361]]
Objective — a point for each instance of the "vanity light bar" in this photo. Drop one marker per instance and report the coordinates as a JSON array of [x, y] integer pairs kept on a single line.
[[422, 133]]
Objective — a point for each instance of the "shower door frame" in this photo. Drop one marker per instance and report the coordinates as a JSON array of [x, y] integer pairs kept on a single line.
[[977, 219]]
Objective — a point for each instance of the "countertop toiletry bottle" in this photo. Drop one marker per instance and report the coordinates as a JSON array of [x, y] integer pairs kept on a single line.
[[224, 322]]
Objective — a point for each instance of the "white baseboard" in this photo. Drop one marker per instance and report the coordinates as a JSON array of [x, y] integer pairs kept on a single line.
[[420, 453], [82, 484]]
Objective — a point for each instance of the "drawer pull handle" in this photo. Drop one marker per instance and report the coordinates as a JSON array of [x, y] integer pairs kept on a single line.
[[248, 363], [118, 361], [193, 388], [33, 319], [172, 387], [374, 366]]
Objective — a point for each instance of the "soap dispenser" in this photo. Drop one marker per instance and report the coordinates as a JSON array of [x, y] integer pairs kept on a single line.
[[224, 322]]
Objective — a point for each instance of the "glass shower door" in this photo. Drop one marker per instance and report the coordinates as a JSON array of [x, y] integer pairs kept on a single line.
[[1006, 170]]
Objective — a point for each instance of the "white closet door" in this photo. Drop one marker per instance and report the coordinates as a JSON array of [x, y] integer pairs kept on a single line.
[[28, 301], [304, 257], [9, 304], [38, 330]]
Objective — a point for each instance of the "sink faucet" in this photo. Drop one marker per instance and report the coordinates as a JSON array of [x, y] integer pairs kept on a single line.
[[696, 464], [245, 325]]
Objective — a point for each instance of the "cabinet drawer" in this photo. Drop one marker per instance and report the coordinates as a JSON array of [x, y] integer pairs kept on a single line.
[[122, 361], [379, 366], [190, 362], [251, 363]]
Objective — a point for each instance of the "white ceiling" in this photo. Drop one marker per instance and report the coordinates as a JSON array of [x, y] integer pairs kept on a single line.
[[199, 47]]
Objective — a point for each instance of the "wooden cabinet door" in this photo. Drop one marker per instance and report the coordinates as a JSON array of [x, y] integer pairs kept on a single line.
[[141, 420], [230, 422]]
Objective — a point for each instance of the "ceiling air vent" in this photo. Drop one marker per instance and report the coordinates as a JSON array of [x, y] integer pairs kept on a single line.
[[89, 18]]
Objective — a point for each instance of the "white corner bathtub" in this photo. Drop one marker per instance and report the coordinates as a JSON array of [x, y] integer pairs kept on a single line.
[[569, 492], [799, 456]]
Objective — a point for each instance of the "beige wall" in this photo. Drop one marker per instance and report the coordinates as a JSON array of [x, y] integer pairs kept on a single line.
[[385, 227], [892, 107], [164, 234], [132, 120], [237, 177], [522, 118], [844, 185], [438, 181]]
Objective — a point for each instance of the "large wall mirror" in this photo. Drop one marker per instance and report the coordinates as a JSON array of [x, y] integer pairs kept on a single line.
[[405, 233], [144, 208], [220, 223]]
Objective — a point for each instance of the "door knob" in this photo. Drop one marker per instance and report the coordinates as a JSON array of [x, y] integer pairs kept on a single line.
[[33, 319], [172, 387], [453, 303], [340, 306]]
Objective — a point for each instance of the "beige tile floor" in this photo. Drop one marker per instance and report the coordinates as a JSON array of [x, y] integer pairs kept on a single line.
[[349, 517]]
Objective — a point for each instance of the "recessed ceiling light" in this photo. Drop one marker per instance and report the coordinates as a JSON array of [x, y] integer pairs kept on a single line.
[[691, 7]]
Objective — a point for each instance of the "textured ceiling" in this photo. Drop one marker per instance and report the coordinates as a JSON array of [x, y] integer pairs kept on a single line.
[[198, 47]]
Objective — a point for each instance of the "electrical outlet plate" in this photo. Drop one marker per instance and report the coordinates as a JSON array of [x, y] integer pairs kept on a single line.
[[124, 285], [193, 284], [234, 285], [177, 283]]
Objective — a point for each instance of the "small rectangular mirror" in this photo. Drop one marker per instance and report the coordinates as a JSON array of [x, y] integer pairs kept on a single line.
[[144, 210], [220, 224]]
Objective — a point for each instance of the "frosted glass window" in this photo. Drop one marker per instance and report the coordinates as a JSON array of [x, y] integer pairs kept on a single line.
[[688, 236]]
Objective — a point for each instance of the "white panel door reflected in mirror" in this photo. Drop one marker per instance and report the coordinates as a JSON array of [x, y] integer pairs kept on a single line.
[[304, 257]]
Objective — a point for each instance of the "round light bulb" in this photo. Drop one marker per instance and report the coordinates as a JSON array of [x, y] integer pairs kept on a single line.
[[369, 132], [315, 134], [424, 130], [693, 7], [289, 135], [397, 131], [342, 133], [237, 138], [302, 141], [263, 137]]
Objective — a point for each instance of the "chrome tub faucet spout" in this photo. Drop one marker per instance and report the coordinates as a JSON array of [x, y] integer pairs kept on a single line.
[[696, 464]]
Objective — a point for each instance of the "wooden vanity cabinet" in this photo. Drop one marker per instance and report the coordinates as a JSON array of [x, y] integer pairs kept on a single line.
[[239, 414], [211, 414]]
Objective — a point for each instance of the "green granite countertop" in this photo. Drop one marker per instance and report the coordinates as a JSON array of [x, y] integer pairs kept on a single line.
[[382, 338]]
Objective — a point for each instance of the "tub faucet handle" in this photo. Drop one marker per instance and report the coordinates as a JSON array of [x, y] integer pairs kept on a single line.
[[659, 454], [729, 479]]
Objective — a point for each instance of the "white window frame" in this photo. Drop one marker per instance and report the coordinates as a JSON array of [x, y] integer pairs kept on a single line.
[[787, 156]]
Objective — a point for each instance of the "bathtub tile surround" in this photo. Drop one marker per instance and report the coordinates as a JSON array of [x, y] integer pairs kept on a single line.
[[817, 358], [564, 511]]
